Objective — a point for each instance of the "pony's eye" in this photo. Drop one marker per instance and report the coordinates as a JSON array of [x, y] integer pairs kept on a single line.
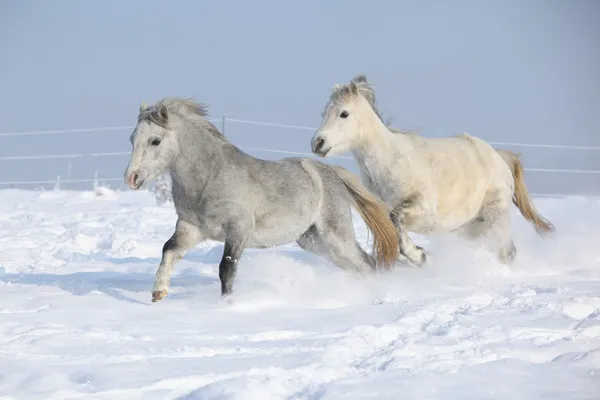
[[155, 142], [344, 114]]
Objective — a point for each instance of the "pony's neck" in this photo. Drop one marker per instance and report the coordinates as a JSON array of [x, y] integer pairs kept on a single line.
[[376, 139], [192, 165]]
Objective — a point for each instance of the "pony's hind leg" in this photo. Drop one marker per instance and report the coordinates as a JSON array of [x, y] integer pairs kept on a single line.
[[185, 237], [311, 241], [338, 246], [346, 253], [493, 225], [500, 234]]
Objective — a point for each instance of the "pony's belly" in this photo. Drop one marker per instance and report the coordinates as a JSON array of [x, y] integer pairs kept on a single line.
[[213, 232], [449, 222], [271, 231], [283, 222], [267, 236], [262, 237], [426, 224]]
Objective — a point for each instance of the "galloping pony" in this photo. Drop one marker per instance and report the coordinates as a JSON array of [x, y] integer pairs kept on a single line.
[[224, 194], [432, 185]]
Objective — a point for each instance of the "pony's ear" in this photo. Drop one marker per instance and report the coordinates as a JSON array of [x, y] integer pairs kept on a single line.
[[362, 78], [143, 106], [353, 88], [163, 112], [336, 87]]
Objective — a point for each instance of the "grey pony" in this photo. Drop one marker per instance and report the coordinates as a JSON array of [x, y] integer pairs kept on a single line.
[[224, 194]]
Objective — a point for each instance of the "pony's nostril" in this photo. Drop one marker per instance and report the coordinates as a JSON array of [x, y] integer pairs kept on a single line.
[[134, 178], [319, 145]]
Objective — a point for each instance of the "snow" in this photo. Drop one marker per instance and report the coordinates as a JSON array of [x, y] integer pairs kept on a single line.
[[76, 318]]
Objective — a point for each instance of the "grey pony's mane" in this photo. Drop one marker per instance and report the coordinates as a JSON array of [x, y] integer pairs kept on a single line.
[[366, 89], [187, 109]]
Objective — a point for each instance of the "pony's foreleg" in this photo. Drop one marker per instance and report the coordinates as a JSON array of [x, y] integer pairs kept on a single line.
[[185, 237], [408, 249], [235, 242]]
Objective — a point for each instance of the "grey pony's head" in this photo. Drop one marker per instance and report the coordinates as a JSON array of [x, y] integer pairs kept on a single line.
[[154, 145]]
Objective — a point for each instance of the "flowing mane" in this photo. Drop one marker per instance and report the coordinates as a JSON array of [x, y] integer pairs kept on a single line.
[[185, 108]]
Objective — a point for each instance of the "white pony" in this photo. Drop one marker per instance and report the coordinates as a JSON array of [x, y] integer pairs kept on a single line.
[[432, 185]]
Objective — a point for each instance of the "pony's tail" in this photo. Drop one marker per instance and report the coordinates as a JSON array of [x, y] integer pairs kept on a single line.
[[376, 215], [521, 197]]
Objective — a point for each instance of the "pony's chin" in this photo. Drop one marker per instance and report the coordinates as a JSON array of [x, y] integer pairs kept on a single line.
[[334, 151], [138, 186], [323, 153]]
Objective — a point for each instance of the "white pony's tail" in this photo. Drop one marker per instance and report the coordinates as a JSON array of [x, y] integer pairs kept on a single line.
[[521, 197], [376, 215]]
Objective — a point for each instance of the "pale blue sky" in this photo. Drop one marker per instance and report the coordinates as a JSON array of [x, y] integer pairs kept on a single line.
[[504, 70]]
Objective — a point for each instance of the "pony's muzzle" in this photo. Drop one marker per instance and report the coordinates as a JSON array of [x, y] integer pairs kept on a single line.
[[134, 180], [318, 147]]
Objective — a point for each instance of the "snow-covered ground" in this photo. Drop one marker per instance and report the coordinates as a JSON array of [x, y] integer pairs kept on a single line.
[[76, 320]]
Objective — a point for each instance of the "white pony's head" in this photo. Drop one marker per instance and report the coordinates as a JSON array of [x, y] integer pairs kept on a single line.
[[343, 118]]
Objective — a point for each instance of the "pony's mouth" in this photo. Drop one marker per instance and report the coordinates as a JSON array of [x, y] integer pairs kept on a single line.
[[136, 185]]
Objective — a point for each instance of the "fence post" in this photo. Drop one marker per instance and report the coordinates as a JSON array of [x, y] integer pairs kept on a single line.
[[223, 124]]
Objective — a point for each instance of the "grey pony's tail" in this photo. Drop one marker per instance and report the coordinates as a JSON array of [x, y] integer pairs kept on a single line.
[[376, 215], [521, 197]]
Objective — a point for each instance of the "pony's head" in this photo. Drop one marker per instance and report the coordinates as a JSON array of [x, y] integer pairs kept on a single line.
[[154, 145], [343, 117]]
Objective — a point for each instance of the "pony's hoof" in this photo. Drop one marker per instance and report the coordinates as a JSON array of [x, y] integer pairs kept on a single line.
[[418, 257], [424, 260], [158, 295], [226, 295], [227, 299], [507, 255], [421, 261]]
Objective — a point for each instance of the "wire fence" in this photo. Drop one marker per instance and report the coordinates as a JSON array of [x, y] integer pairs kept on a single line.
[[223, 121]]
